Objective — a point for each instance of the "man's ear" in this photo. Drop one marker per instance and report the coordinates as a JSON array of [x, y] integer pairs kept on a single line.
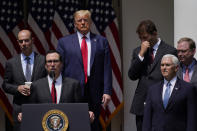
[[155, 33], [194, 51], [176, 68], [74, 23], [45, 66]]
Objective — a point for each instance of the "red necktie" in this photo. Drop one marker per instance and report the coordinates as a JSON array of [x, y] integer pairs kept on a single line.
[[84, 52], [151, 55], [186, 77], [53, 93]]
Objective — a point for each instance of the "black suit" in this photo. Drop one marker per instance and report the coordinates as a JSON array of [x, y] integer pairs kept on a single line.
[[14, 77], [147, 74], [70, 91], [180, 113]]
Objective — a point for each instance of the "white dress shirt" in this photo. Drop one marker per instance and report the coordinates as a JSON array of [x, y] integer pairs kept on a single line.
[[172, 82], [88, 41], [58, 86], [24, 62]]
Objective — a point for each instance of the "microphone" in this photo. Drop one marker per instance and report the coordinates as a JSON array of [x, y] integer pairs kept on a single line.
[[52, 74]]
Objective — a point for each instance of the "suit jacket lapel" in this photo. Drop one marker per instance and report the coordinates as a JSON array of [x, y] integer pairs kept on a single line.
[[18, 65], [194, 75], [93, 48], [171, 101], [160, 94], [36, 63], [158, 56], [62, 91], [46, 89], [180, 73], [75, 42], [76, 46]]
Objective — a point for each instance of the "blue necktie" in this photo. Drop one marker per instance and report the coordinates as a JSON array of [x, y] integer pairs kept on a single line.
[[28, 69], [166, 95]]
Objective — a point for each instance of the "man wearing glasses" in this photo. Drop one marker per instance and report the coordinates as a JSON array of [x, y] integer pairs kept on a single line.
[[55, 88], [186, 49], [28, 66]]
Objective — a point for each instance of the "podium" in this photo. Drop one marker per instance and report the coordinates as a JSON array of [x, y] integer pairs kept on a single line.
[[35, 115]]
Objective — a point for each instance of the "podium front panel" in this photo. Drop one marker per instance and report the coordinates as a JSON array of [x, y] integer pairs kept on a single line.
[[77, 114]]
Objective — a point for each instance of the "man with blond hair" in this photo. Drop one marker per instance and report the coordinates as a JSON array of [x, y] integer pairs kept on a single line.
[[87, 59]]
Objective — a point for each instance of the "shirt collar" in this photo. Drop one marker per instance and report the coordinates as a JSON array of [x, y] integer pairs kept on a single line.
[[190, 66], [57, 81], [156, 46], [81, 35], [172, 81], [31, 56]]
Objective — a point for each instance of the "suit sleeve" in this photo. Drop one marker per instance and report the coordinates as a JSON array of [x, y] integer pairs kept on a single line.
[[136, 66], [60, 48], [8, 85], [107, 70], [32, 97], [191, 110], [147, 113]]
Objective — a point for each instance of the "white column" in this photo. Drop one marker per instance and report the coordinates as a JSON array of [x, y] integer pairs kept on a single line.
[[185, 19]]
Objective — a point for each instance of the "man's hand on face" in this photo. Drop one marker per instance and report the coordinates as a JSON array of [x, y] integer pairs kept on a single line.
[[144, 47]]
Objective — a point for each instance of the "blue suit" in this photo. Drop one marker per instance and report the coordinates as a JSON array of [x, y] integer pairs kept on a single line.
[[100, 79], [180, 113]]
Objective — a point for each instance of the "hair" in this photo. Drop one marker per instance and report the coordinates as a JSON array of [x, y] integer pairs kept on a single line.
[[191, 42], [146, 26], [54, 51], [174, 59], [26, 30], [82, 12]]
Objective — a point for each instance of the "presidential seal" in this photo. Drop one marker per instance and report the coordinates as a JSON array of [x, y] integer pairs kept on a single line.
[[55, 120]]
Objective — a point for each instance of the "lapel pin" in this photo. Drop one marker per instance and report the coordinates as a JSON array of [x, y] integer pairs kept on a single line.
[[94, 40], [176, 88]]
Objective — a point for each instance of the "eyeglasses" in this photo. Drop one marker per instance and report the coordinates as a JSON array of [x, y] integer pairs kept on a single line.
[[52, 61], [183, 51], [26, 40]]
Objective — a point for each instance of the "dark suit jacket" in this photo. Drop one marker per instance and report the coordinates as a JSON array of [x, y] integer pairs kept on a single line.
[[180, 113], [70, 92], [194, 75], [100, 80], [14, 77], [146, 74]]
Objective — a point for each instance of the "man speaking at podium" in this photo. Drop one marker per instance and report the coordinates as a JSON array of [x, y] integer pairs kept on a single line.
[[54, 88]]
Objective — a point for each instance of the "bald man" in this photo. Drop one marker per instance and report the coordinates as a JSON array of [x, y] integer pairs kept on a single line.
[[27, 66]]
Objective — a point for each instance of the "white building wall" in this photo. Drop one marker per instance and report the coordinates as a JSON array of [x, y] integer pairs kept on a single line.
[[185, 20]]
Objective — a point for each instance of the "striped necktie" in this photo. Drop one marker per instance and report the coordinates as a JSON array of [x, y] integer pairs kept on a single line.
[[28, 69], [166, 95]]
